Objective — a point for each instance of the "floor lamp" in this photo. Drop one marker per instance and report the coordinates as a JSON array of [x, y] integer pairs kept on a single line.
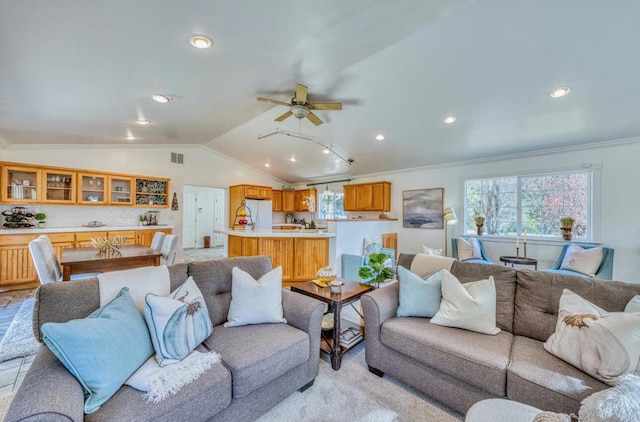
[[450, 218]]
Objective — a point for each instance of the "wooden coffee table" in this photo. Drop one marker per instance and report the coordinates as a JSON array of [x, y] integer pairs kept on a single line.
[[351, 291]]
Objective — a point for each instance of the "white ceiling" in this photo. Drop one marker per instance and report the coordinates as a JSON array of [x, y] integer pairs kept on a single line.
[[79, 72]]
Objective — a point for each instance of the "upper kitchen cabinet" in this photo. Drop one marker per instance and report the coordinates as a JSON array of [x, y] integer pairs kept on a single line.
[[276, 198], [92, 188], [302, 195], [58, 186], [152, 192], [239, 193], [288, 200], [21, 184], [374, 196], [120, 190]]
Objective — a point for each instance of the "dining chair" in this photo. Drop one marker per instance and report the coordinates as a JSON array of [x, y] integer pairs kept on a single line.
[[169, 246], [158, 240], [45, 261]]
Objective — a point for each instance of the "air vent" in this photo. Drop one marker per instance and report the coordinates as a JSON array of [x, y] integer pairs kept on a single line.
[[177, 158]]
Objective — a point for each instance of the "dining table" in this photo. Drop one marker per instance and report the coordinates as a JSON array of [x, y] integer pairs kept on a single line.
[[89, 260]]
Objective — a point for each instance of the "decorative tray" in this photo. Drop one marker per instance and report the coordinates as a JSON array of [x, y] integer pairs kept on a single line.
[[320, 283]]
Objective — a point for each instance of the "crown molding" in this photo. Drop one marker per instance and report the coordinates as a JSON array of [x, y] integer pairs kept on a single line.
[[101, 146]]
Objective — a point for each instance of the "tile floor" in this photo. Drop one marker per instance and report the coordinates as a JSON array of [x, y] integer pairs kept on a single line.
[[12, 371], [202, 254]]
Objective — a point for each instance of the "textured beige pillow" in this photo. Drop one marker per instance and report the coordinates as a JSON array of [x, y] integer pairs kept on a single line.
[[602, 344], [633, 305], [585, 261], [468, 248], [471, 306]]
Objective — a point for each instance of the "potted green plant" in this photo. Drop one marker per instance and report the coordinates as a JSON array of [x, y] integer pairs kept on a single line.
[[375, 271], [41, 218], [566, 226]]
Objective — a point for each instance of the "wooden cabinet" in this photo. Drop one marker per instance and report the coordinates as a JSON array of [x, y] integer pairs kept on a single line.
[[120, 190], [288, 200], [368, 197], [152, 192], [92, 188], [390, 241], [83, 239], [16, 266], [58, 186], [144, 237], [61, 241], [280, 250], [21, 184], [239, 193], [310, 254], [276, 200], [242, 246], [301, 196]]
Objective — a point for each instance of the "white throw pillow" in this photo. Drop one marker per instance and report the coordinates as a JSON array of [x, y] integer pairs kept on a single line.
[[471, 306], [633, 305], [255, 301], [468, 249], [585, 261], [370, 246], [603, 344], [615, 404], [430, 251], [178, 323]]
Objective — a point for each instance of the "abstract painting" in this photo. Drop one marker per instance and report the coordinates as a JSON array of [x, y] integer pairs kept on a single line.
[[422, 208]]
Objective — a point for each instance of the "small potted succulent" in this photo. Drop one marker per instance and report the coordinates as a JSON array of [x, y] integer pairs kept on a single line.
[[566, 226], [41, 218], [375, 271], [479, 224]]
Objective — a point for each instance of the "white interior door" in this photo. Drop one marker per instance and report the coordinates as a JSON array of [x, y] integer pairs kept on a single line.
[[218, 223], [190, 219]]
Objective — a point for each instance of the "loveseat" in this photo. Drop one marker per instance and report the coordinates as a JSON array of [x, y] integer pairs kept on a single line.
[[460, 368], [261, 364]]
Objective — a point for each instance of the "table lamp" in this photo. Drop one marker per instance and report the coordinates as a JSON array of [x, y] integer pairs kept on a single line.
[[450, 218]]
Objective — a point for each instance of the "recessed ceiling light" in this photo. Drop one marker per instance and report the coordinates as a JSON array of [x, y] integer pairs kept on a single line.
[[380, 137], [292, 159], [326, 151], [560, 92], [130, 138], [267, 165], [450, 119], [143, 122], [161, 98], [201, 42]]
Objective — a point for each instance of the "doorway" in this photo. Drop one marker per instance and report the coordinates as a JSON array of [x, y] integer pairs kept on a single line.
[[203, 211]]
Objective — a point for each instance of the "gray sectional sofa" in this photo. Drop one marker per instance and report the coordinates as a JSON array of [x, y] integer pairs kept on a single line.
[[261, 364], [460, 368]]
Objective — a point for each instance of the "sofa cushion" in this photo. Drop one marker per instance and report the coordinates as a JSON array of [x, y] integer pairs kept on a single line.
[[468, 249], [419, 297], [582, 260], [538, 295], [448, 350], [505, 280], [199, 400], [542, 380], [255, 300], [258, 354]]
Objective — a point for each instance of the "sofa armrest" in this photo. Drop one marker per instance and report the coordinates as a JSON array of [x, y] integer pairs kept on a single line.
[[48, 393], [305, 313], [378, 306]]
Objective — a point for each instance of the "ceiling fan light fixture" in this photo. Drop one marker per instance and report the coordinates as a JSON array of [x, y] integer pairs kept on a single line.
[[143, 122], [560, 92], [450, 119], [299, 111], [201, 42], [161, 98]]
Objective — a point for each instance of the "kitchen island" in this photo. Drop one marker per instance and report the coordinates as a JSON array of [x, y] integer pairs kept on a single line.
[[300, 253]]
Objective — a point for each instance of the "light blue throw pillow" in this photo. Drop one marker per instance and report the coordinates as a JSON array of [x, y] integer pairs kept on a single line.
[[419, 297], [103, 349]]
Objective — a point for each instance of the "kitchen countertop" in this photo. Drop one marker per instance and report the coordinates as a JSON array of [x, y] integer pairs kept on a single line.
[[275, 233], [44, 230]]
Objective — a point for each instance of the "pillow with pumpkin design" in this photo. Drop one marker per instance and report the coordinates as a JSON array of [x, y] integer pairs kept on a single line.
[[177, 323]]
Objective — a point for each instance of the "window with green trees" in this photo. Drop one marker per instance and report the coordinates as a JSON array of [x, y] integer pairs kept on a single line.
[[531, 204]]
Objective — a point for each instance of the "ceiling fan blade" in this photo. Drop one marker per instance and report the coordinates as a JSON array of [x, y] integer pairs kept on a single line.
[[326, 106], [314, 119], [266, 100], [301, 93], [284, 116]]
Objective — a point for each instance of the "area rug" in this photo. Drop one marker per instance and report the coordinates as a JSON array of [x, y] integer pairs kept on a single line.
[[5, 401], [18, 341], [354, 394]]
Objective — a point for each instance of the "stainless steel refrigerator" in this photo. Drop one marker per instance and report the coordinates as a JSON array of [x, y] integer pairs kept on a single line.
[[261, 213]]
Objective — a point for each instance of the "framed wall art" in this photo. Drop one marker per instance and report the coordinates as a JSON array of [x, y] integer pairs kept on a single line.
[[422, 208]]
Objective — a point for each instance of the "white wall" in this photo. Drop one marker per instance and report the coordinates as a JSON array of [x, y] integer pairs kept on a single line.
[[618, 219], [202, 167]]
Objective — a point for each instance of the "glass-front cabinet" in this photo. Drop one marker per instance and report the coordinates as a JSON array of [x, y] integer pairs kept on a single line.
[[20, 184], [152, 192], [92, 189], [58, 186], [120, 190]]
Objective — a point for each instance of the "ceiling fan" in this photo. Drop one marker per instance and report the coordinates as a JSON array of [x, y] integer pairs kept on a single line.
[[300, 106]]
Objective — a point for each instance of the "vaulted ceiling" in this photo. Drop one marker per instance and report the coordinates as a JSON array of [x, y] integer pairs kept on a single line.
[[74, 72]]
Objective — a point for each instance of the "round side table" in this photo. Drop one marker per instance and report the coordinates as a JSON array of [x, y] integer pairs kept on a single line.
[[519, 261]]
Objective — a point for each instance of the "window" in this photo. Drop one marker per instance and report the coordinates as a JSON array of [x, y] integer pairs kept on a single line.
[[531, 204], [331, 205]]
